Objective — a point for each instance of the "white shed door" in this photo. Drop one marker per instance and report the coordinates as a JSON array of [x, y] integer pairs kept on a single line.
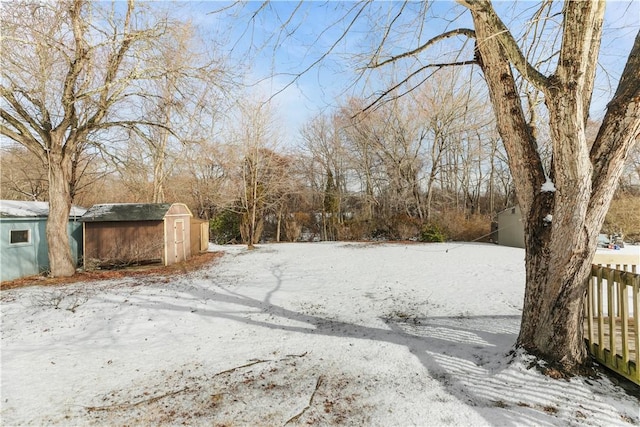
[[179, 240]]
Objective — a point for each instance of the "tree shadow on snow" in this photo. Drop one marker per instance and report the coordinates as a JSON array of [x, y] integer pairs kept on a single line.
[[468, 355]]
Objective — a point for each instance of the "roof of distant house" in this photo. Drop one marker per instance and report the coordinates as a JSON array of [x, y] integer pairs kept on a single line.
[[25, 209], [127, 212]]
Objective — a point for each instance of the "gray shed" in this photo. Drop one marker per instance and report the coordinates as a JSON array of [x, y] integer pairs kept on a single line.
[[23, 240], [511, 228], [135, 233]]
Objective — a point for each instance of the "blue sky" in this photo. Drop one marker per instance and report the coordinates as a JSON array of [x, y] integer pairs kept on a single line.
[[271, 58]]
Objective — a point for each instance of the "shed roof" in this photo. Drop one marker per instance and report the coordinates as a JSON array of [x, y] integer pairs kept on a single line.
[[25, 209], [127, 212]]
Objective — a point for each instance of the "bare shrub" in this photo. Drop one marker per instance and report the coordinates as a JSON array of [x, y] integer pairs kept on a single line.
[[353, 230], [404, 227], [465, 227], [292, 229], [61, 300]]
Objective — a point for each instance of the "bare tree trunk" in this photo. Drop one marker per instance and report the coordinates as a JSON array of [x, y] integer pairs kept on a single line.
[[53, 113], [158, 180], [278, 226], [254, 208], [561, 226], [60, 259], [552, 317]]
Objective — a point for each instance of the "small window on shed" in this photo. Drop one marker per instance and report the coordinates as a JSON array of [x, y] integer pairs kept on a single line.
[[19, 236]]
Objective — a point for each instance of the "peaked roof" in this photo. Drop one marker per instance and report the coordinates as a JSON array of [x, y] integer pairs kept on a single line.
[[24, 209], [127, 212]]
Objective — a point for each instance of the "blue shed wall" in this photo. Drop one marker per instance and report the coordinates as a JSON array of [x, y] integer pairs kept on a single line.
[[26, 259]]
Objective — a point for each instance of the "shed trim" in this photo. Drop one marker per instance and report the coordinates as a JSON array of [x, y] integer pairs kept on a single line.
[[166, 241]]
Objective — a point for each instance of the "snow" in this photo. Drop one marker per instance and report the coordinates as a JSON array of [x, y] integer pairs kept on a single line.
[[18, 209], [628, 249], [548, 186], [295, 334], [99, 210]]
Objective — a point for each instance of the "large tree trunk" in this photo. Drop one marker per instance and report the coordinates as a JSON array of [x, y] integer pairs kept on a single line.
[[561, 226], [553, 311], [60, 260]]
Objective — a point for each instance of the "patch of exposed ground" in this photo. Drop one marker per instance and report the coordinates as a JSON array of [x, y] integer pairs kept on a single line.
[[290, 390], [192, 264]]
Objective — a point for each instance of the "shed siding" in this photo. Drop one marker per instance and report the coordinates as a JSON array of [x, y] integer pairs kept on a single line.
[[511, 228], [20, 260], [28, 259], [199, 235], [128, 233], [124, 241], [178, 209], [178, 233]]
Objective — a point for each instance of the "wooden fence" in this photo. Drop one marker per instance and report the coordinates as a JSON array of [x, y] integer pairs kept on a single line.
[[612, 320]]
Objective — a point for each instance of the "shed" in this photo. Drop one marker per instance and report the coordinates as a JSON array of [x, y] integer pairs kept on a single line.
[[511, 228], [136, 233], [24, 248], [199, 235]]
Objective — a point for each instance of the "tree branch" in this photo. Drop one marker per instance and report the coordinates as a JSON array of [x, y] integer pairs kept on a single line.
[[521, 146], [24, 115], [134, 404], [500, 32], [457, 32], [20, 134], [386, 33], [419, 70], [325, 54], [313, 395], [581, 48], [75, 68], [620, 128]]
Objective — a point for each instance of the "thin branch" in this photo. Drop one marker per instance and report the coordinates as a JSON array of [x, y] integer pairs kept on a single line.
[[299, 414], [134, 404], [419, 70], [22, 112], [222, 9], [162, 396], [388, 30], [505, 38], [184, 389], [324, 55], [457, 32], [246, 365]]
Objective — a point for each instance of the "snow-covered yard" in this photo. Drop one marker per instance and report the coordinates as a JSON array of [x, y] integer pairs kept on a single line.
[[293, 334]]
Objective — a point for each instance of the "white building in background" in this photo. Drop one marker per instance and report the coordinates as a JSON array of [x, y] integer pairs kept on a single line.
[[511, 228]]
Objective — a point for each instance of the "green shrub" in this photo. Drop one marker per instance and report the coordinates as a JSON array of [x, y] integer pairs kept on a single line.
[[432, 232], [225, 228]]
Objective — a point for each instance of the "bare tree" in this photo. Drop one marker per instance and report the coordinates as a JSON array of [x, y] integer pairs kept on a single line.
[[564, 201], [262, 169], [321, 139], [561, 226], [21, 177], [388, 144], [211, 176], [186, 99], [68, 76]]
